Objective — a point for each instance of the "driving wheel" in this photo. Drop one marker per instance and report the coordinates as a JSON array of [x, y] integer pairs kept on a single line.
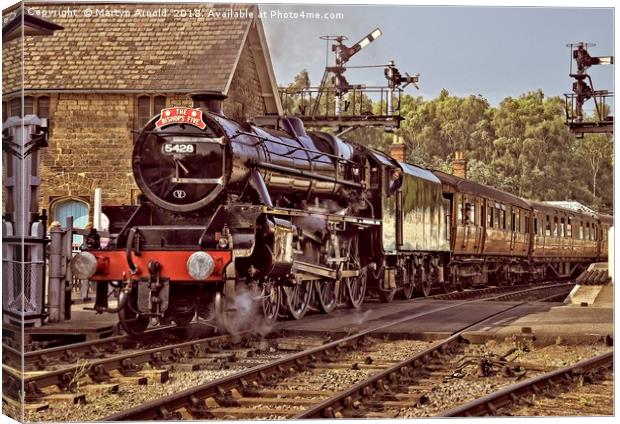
[[326, 294], [297, 299]]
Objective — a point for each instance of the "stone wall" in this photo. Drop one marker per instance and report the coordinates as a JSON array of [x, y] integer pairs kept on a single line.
[[90, 146], [244, 96]]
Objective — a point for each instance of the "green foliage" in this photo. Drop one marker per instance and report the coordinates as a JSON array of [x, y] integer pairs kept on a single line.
[[522, 146], [295, 101]]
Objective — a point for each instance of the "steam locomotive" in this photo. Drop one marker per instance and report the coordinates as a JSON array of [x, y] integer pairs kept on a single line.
[[293, 220]]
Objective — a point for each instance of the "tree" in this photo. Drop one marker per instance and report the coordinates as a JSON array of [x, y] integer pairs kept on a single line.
[[295, 100], [596, 150]]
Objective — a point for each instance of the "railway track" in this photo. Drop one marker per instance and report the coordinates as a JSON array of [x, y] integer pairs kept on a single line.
[[42, 359], [126, 366], [551, 384], [279, 389]]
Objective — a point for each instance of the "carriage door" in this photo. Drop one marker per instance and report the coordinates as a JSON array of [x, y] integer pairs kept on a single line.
[[514, 225]]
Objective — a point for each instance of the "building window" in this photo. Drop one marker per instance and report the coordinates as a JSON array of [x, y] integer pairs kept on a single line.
[[144, 110], [43, 107], [39, 106], [16, 107], [159, 103], [148, 107], [28, 105]]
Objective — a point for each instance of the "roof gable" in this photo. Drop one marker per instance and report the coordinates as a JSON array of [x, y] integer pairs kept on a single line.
[[124, 49]]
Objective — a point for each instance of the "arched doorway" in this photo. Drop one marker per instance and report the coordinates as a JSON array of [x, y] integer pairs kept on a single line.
[[78, 209]]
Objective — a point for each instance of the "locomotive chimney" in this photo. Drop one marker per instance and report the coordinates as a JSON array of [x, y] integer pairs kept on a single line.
[[459, 166], [210, 100], [398, 148]]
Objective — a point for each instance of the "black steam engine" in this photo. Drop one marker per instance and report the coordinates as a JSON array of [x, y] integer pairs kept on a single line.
[[232, 211]]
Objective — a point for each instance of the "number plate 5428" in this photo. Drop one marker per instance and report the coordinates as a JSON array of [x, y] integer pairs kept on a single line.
[[178, 148]]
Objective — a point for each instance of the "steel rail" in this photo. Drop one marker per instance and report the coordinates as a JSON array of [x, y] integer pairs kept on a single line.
[[128, 363], [74, 351], [492, 403], [193, 399]]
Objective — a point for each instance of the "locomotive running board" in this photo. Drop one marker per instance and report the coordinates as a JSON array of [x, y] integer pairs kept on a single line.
[[321, 271]]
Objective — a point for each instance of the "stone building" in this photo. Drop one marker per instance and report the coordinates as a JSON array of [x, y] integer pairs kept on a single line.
[[102, 77]]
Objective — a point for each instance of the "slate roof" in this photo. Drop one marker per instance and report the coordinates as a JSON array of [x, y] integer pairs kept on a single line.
[[117, 52]]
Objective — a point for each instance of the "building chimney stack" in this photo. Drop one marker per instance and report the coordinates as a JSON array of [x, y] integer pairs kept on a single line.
[[398, 149], [459, 166]]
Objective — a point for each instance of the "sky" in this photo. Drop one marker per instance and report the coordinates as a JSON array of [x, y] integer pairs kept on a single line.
[[494, 52]]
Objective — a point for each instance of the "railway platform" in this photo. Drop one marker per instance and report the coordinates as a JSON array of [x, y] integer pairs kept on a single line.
[[540, 322], [84, 325]]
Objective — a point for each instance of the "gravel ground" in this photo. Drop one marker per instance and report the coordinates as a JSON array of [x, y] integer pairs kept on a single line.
[[101, 405], [585, 400], [448, 393], [340, 379], [452, 392]]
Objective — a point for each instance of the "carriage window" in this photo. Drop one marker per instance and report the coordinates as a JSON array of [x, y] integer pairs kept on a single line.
[[555, 226], [581, 230], [527, 223], [473, 215], [467, 219], [569, 229], [496, 218], [503, 219], [562, 233], [535, 225], [587, 231], [482, 214], [459, 209], [517, 227], [490, 217], [548, 226]]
